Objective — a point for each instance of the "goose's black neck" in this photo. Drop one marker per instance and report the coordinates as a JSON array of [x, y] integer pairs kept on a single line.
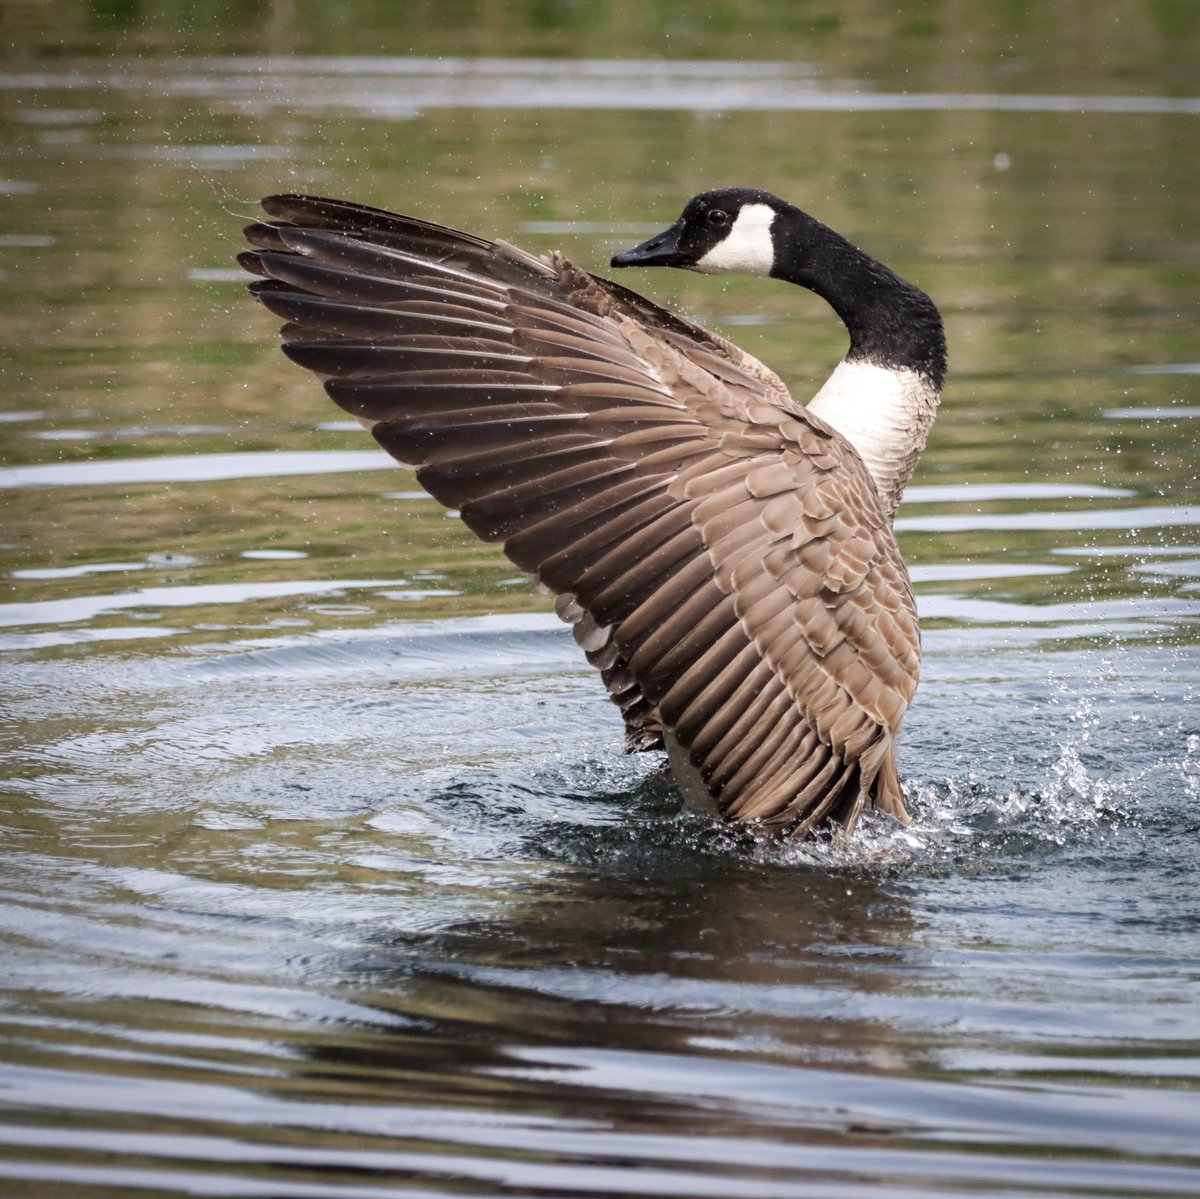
[[891, 322]]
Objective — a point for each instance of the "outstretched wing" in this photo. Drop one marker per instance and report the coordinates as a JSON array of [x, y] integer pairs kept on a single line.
[[723, 556]]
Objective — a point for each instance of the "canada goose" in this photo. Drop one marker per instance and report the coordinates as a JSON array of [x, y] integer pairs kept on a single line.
[[725, 555]]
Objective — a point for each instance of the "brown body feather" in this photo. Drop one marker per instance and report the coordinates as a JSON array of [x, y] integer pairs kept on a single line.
[[722, 555]]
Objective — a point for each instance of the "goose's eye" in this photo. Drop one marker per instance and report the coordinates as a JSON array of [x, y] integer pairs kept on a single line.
[[718, 217]]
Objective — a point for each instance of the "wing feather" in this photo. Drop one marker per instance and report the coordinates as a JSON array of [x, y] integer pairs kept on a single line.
[[720, 554]]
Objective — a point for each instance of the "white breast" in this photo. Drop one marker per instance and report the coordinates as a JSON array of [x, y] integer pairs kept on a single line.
[[884, 413]]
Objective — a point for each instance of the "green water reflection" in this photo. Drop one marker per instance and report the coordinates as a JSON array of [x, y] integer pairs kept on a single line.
[[1064, 248]]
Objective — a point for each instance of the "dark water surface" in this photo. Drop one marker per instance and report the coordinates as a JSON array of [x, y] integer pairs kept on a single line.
[[323, 872]]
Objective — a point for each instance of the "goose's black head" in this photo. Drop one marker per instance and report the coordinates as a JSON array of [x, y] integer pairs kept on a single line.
[[722, 232], [744, 231]]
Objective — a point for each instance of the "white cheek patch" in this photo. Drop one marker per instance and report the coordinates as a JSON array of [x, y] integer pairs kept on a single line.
[[746, 249]]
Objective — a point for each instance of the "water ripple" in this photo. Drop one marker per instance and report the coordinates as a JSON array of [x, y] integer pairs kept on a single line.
[[190, 468], [402, 87]]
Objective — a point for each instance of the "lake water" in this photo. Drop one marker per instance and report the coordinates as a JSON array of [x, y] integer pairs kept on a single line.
[[324, 874]]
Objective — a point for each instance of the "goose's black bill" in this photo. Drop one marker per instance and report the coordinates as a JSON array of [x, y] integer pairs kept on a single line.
[[662, 250]]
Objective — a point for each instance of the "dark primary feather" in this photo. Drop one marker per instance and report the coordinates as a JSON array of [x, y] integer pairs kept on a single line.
[[721, 554]]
